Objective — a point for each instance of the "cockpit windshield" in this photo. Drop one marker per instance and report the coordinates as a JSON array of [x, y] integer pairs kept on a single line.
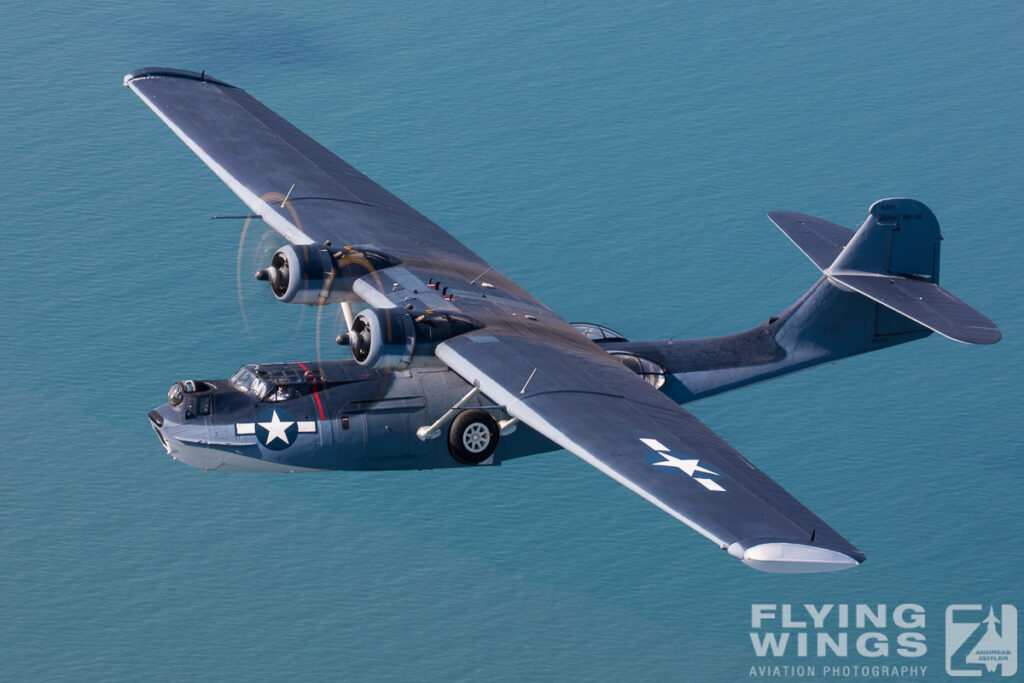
[[245, 380], [278, 382]]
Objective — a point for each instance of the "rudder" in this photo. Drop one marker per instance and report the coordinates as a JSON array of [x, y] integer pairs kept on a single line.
[[899, 237]]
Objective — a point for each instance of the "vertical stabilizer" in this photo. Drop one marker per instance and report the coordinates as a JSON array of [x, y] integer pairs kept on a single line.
[[900, 237]]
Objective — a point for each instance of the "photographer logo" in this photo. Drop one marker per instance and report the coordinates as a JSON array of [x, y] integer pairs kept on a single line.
[[981, 640]]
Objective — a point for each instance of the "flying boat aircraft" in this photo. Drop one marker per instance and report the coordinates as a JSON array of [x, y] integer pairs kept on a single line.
[[455, 365]]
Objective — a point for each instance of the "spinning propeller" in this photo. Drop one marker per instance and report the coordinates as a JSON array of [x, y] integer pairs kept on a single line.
[[283, 331], [305, 274]]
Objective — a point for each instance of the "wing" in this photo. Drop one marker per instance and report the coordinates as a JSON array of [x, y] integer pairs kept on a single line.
[[541, 369], [590, 405], [263, 158], [298, 187]]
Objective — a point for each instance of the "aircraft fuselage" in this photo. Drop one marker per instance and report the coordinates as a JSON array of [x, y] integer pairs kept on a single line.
[[339, 416]]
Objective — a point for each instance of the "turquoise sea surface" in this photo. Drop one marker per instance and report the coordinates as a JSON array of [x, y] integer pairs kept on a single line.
[[617, 160]]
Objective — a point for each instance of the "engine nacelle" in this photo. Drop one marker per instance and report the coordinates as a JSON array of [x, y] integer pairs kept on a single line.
[[395, 339], [315, 274]]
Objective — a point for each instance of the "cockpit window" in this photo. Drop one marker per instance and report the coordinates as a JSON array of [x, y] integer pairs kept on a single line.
[[242, 379], [278, 382], [651, 372], [599, 333], [246, 381], [260, 388]]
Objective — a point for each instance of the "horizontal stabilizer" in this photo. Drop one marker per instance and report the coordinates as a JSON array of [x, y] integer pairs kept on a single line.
[[926, 304], [820, 240]]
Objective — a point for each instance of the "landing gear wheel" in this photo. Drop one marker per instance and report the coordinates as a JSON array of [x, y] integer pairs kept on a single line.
[[472, 437]]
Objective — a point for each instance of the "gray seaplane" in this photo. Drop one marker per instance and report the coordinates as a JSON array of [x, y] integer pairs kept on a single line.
[[455, 365]]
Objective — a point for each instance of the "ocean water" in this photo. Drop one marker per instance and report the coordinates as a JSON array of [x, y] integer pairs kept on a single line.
[[617, 160]]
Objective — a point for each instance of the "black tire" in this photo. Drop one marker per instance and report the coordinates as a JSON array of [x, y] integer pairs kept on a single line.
[[472, 437]]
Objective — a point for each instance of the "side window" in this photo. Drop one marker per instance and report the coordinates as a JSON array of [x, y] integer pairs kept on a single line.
[[196, 406], [598, 333], [203, 405], [647, 369]]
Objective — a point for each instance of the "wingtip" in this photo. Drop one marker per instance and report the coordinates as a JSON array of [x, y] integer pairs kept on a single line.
[[793, 558], [164, 72], [978, 336], [776, 216]]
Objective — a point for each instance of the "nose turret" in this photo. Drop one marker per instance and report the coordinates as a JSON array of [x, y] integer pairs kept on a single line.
[[183, 422]]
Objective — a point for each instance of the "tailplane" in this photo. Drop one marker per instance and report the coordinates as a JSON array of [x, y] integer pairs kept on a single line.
[[893, 259]]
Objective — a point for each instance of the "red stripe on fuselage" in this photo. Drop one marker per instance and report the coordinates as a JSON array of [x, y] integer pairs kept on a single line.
[[318, 406], [316, 396]]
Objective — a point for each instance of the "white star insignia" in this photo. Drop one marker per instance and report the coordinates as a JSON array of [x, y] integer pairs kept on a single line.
[[688, 466], [276, 429]]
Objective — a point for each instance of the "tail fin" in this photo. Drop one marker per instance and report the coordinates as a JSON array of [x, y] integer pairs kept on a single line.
[[893, 259]]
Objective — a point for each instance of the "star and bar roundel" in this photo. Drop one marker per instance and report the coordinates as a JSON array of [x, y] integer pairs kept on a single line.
[[661, 458], [276, 428]]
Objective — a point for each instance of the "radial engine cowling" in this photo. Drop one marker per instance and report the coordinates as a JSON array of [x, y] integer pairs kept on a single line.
[[315, 275], [394, 339]]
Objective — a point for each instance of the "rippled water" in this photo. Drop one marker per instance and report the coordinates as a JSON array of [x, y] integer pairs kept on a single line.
[[617, 161]]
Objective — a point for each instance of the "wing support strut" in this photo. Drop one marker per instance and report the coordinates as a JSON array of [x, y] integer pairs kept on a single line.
[[434, 430], [346, 310]]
